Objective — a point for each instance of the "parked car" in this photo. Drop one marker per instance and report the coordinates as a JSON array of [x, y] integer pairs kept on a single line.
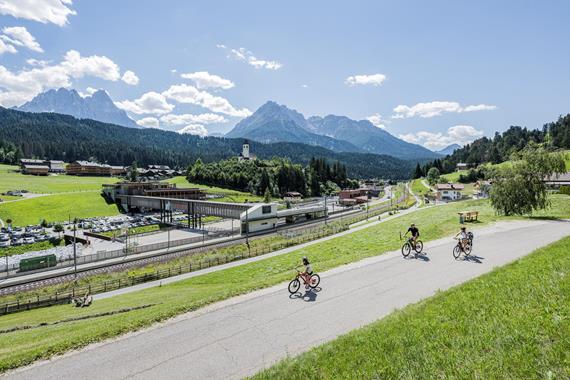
[[29, 240], [17, 241], [4, 243]]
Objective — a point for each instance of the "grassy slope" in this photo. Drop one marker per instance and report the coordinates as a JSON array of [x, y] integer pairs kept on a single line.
[[511, 323], [10, 180], [57, 208], [233, 196], [22, 347], [39, 246]]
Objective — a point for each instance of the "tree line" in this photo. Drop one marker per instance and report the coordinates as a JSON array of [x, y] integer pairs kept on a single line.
[[553, 136], [275, 177]]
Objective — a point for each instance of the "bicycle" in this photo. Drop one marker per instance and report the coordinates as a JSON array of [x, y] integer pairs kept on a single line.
[[459, 248], [295, 284], [407, 247]]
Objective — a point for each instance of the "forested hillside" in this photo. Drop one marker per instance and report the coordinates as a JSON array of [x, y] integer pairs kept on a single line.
[[277, 176], [62, 137], [553, 136]]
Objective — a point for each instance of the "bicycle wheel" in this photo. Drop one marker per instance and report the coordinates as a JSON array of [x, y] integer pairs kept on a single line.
[[456, 252], [406, 249], [294, 286], [314, 281], [467, 249], [419, 246]]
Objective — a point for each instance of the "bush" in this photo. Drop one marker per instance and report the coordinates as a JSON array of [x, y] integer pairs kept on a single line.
[[564, 190]]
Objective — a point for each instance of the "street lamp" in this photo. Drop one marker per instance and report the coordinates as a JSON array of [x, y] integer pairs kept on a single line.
[[326, 210]]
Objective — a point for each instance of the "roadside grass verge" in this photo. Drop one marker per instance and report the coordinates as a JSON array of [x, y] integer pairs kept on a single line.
[[134, 230], [509, 324], [12, 180], [57, 208], [22, 347], [39, 246]]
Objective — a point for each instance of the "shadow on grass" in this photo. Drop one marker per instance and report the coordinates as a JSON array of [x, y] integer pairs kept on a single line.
[[310, 295], [546, 218]]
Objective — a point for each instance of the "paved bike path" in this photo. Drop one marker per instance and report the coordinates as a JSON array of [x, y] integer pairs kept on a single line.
[[242, 335]]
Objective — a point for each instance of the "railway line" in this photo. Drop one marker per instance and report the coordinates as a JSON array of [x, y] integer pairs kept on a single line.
[[162, 257]]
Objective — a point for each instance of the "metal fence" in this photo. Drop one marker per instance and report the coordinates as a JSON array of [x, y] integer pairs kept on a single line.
[[216, 259]]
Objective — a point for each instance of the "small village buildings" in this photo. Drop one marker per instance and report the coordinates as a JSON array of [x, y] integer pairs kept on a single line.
[[461, 166], [449, 191], [35, 169], [41, 167], [482, 189], [352, 197], [292, 196]]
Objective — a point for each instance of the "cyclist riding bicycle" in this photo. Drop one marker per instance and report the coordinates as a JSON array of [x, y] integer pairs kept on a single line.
[[415, 232], [308, 271], [463, 237]]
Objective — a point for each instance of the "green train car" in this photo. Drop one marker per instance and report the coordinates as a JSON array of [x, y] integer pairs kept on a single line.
[[38, 263]]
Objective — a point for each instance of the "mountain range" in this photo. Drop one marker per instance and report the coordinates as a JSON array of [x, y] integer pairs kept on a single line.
[[273, 122], [99, 106], [63, 137], [449, 149]]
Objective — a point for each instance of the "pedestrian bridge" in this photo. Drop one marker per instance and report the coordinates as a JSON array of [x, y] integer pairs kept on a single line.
[[194, 208]]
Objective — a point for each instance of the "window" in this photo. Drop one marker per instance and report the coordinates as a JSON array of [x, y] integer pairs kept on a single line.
[[266, 209]]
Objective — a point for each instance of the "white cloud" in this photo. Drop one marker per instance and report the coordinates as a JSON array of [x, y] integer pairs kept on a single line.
[[194, 129], [7, 48], [149, 103], [130, 78], [95, 65], [88, 92], [479, 107], [25, 84], [436, 108], [459, 134], [44, 11], [184, 93], [362, 80], [242, 54], [37, 62], [204, 118], [204, 79], [19, 36], [377, 120], [149, 122]]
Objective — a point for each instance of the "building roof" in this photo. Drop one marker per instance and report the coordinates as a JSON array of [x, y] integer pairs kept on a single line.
[[36, 167], [450, 186], [31, 161], [55, 162], [292, 194]]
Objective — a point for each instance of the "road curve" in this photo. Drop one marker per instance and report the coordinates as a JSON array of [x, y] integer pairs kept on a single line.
[[240, 336]]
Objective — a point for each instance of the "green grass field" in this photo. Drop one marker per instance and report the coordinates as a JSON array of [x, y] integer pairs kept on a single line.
[[12, 180], [57, 208], [509, 324], [45, 338]]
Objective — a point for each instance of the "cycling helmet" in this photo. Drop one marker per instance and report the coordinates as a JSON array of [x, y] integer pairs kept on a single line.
[[463, 228]]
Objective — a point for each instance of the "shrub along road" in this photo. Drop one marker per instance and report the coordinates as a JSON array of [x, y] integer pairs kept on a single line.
[[242, 335]]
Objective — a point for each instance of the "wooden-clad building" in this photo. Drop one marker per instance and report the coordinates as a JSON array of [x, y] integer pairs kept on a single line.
[[35, 169], [93, 169]]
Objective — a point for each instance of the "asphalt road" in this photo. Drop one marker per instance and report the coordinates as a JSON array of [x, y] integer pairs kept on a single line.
[[240, 336]]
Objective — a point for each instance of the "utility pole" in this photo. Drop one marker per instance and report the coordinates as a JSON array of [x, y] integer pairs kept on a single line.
[[169, 227], [75, 248], [7, 272], [367, 207], [326, 210]]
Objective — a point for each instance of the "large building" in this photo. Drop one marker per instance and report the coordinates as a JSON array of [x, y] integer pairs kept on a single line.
[[94, 169], [152, 189]]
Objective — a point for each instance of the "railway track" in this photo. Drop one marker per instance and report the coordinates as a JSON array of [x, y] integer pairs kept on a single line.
[[57, 279]]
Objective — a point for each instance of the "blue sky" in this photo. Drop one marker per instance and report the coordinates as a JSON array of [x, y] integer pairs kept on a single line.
[[433, 72]]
